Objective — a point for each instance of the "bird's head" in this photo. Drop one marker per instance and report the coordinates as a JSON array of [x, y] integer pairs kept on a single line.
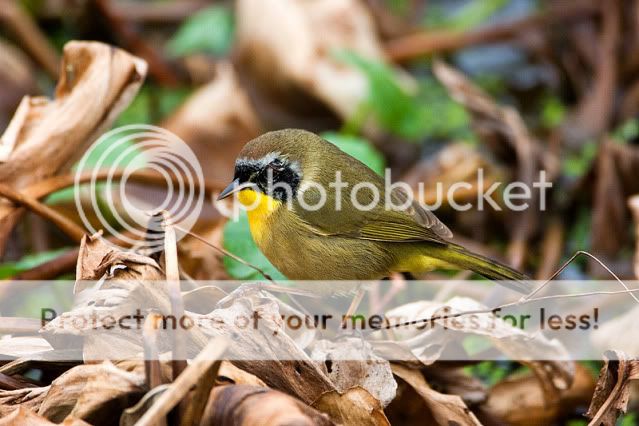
[[274, 163]]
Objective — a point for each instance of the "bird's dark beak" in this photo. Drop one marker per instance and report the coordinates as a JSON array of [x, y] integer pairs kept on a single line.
[[230, 190]]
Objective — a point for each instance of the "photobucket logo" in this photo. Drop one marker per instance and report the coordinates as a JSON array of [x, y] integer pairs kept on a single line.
[[114, 161], [478, 193]]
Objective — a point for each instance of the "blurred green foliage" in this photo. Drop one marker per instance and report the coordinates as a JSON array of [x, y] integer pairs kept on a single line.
[[553, 112], [429, 112], [577, 164], [8, 269], [464, 18], [626, 131], [209, 31]]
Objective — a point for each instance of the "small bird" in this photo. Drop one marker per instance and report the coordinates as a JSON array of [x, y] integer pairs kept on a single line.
[[310, 235]]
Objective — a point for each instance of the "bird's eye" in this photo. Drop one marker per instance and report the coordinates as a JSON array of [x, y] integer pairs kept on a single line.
[[276, 165]]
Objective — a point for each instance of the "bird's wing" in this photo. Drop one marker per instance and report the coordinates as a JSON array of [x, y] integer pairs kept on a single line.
[[379, 224]]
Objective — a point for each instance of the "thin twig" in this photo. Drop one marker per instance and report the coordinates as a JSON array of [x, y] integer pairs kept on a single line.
[[568, 262], [183, 384], [74, 231], [429, 42], [152, 367], [175, 294], [57, 183]]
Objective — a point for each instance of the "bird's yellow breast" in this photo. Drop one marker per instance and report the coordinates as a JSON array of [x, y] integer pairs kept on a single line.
[[259, 207]]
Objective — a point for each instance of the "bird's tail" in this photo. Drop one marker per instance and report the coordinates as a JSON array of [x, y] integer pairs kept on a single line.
[[461, 258]]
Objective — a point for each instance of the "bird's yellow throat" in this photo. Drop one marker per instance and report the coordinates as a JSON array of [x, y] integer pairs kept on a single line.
[[259, 207]]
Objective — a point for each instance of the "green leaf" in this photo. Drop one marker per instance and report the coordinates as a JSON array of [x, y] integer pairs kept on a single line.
[[626, 131], [629, 419], [359, 148], [208, 31], [238, 240], [395, 110], [578, 164], [553, 112], [27, 262], [431, 112]]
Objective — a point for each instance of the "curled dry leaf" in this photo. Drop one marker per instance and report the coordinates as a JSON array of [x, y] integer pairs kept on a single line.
[[91, 392], [613, 388], [299, 55], [443, 408], [254, 405], [28, 398], [427, 343], [521, 400], [355, 406], [25, 417], [46, 136], [351, 362], [128, 283], [22, 346], [267, 351]]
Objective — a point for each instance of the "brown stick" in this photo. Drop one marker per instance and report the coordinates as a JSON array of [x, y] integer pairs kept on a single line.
[[551, 249], [183, 384], [152, 367], [429, 42], [51, 185], [74, 231]]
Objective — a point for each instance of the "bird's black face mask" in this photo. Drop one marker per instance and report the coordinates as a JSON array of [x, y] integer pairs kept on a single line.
[[271, 175]]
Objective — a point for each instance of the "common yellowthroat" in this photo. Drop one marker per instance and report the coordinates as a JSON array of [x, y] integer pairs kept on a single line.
[[308, 235]]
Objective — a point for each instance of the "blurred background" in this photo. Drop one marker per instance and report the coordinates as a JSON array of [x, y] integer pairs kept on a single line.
[[433, 89]]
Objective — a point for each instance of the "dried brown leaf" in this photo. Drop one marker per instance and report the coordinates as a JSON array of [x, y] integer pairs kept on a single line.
[[355, 406], [444, 408], [613, 388], [301, 50], [46, 136], [351, 362], [25, 417], [230, 373], [267, 351], [253, 405], [521, 400], [29, 398], [91, 392], [428, 344]]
